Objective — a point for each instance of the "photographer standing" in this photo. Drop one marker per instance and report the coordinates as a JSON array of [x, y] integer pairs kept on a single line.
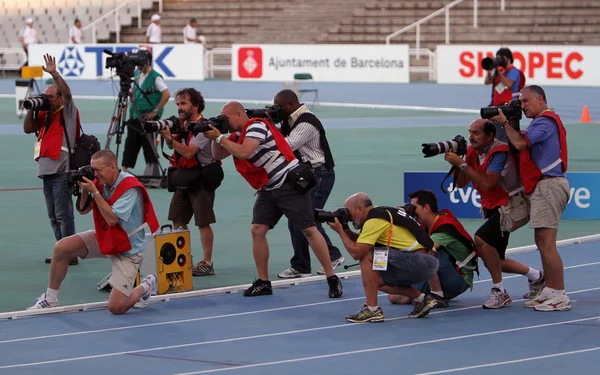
[[51, 152], [196, 174], [306, 136], [394, 253], [263, 157], [122, 210], [493, 171], [542, 166], [149, 97]]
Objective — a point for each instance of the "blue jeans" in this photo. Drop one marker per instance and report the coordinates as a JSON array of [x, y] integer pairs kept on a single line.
[[319, 194], [59, 203], [453, 284]]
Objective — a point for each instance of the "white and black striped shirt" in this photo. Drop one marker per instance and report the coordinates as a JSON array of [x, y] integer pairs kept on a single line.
[[267, 156], [306, 139]]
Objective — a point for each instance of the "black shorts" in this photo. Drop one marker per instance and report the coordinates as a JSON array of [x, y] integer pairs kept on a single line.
[[491, 233], [285, 200]]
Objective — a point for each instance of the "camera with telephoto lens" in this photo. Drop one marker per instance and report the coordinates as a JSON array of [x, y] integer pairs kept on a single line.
[[125, 62], [342, 214], [172, 123], [458, 145], [37, 103], [491, 63], [410, 209], [220, 122], [78, 174], [512, 110], [274, 112]]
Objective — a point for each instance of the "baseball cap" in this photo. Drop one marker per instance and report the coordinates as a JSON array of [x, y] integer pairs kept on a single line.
[[155, 17]]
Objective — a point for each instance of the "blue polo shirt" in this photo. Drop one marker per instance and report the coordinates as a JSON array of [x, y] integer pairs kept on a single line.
[[129, 208], [543, 139], [515, 76]]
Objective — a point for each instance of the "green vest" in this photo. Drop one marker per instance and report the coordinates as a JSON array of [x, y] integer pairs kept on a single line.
[[143, 107]]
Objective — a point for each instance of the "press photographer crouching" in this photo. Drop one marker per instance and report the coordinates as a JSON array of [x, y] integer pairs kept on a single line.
[[54, 118], [394, 253], [194, 175]]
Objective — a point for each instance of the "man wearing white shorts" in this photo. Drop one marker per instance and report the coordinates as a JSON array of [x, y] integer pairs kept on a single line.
[[122, 209]]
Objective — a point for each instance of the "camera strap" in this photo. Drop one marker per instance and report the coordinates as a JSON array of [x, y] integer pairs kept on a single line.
[[454, 171]]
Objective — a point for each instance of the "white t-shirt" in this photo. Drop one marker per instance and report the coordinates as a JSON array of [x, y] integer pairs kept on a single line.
[[159, 82], [29, 35], [75, 34], [154, 33], [189, 32]]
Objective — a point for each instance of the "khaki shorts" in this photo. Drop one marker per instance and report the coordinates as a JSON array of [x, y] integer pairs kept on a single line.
[[186, 204], [124, 268], [548, 201]]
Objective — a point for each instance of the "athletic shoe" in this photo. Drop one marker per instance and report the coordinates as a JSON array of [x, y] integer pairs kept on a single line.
[[336, 290], [555, 303], [535, 287], [441, 301], [365, 315], [497, 299], [291, 273], [259, 288], [334, 263], [203, 268], [422, 308], [149, 280], [43, 303]]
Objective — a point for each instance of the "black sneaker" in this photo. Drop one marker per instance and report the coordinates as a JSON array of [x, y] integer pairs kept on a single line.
[[422, 308], [335, 287], [441, 301], [259, 288]]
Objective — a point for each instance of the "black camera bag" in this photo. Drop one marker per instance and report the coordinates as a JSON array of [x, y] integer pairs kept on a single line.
[[86, 145]]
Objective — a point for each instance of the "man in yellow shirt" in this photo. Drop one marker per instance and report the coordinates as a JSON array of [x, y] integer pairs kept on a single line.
[[394, 253]]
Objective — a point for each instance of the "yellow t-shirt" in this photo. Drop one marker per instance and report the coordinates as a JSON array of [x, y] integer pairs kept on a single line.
[[377, 230]]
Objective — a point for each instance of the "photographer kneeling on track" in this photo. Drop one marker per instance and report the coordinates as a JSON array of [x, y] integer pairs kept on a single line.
[[493, 170], [394, 253], [149, 97], [194, 175], [455, 248], [122, 210], [263, 157], [543, 162], [54, 118], [306, 136]]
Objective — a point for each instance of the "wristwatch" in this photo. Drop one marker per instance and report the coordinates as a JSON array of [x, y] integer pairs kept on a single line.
[[219, 138], [93, 195], [462, 167]]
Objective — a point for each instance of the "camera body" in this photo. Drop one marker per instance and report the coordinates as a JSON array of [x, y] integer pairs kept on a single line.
[[512, 110], [273, 112], [458, 145], [410, 209], [125, 62], [342, 214], [220, 122], [37, 103], [491, 63], [172, 123], [77, 175]]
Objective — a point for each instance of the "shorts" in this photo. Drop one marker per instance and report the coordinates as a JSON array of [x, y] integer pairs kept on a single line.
[[285, 200], [491, 233], [124, 268], [408, 268], [186, 204], [453, 283], [548, 202]]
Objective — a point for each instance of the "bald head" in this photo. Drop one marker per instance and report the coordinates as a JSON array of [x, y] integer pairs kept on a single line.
[[105, 155], [232, 107], [236, 115], [358, 199]]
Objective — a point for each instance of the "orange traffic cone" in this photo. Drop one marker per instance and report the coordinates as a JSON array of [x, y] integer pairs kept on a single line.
[[585, 115]]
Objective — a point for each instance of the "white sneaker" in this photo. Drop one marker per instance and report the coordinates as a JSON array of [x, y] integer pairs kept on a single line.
[[497, 299], [334, 263], [291, 273], [555, 303], [150, 280], [538, 300], [43, 303]]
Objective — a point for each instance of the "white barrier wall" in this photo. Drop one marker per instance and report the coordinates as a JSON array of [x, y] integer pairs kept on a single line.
[[325, 62], [88, 61], [542, 65]]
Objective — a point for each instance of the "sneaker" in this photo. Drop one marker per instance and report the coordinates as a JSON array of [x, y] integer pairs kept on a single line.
[[365, 315], [555, 303], [538, 300], [535, 287], [422, 308], [291, 273], [336, 290], [441, 301], [334, 263], [497, 299], [43, 303], [145, 298], [259, 288], [203, 268]]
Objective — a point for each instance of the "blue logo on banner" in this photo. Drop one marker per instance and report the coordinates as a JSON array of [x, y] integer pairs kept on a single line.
[[70, 63], [465, 202]]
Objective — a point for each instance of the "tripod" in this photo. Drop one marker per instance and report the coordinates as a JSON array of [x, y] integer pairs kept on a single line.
[[29, 93]]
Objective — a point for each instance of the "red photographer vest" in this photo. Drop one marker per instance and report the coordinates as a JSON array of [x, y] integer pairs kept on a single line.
[[257, 177], [51, 136], [114, 240], [530, 174], [178, 161], [496, 196], [506, 95], [445, 219]]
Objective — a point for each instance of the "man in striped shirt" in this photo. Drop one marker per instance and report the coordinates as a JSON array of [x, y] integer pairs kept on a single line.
[[306, 136], [263, 157]]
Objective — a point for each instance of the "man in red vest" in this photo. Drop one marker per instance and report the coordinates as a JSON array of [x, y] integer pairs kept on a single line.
[[493, 171], [52, 126], [122, 210], [265, 160], [543, 161]]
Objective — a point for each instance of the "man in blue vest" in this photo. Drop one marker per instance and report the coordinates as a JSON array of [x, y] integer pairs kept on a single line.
[[149, 97]]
